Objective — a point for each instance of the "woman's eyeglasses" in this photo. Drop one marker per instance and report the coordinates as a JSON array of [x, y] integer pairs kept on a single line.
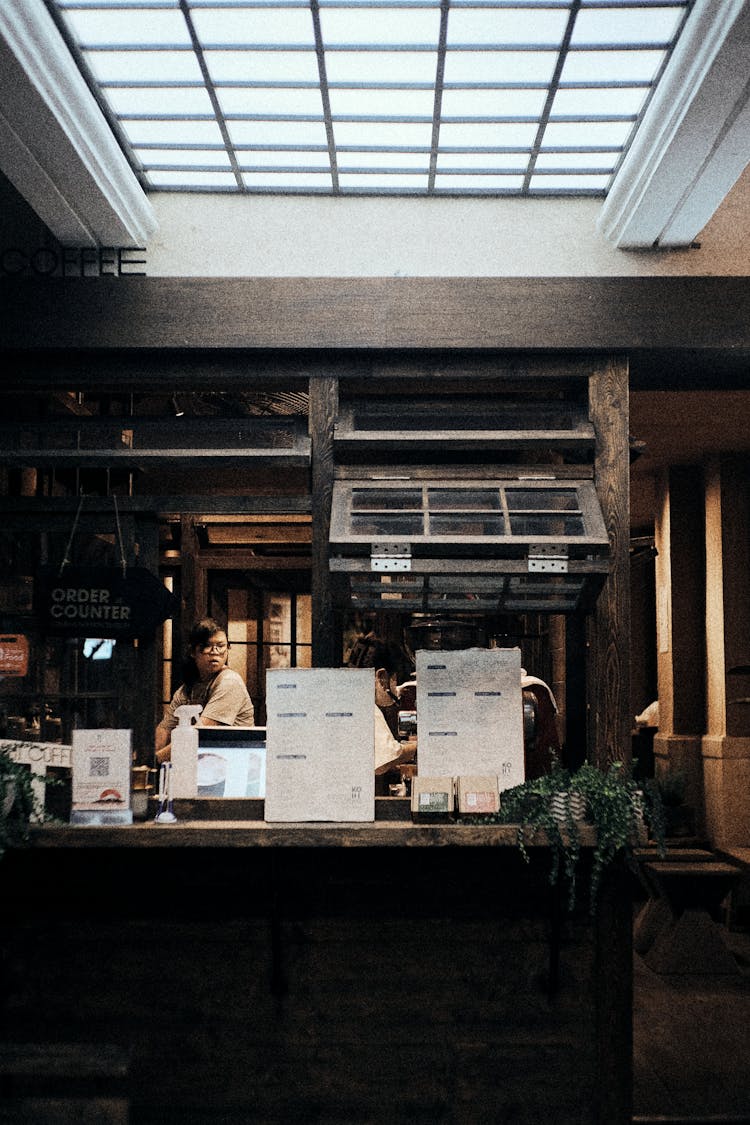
[[206, 649]]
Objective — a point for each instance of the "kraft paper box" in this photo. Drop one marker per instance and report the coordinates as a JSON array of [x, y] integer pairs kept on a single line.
[[477, 795], [470, 714], [432, 798], [320, 737]]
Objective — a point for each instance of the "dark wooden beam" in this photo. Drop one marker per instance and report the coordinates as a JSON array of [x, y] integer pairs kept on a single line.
[[609, 314]]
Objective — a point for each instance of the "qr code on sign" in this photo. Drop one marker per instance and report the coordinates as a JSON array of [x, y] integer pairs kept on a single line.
[[99, 767]]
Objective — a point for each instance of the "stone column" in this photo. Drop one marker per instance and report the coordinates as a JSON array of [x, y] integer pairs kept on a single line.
[[726, 744], [680, 632]]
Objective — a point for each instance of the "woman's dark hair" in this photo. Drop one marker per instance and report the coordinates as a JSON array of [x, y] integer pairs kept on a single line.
[[199, 636], [372, 651]]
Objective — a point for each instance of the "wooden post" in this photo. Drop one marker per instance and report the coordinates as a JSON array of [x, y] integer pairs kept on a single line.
[[326, 634], [609, 648]]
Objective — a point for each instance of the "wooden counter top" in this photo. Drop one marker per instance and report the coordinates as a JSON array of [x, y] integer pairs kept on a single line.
[[247, 834]]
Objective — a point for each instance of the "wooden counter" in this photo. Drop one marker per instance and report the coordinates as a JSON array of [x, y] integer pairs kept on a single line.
[[351, 973]]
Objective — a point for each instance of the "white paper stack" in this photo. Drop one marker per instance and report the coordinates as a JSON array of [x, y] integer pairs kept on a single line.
[[320, 744], [470, 714]]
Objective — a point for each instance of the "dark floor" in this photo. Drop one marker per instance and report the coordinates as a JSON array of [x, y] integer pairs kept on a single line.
[[691, 1039]]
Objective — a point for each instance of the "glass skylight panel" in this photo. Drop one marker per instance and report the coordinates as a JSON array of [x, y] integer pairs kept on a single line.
[[380, 26], [381, 67], [383, 181], [381, 134], [278, 25], [493, 103], [262, 67], [520, 26], [277, 132], [381, 103], [550, 87], [143, 132], [499, 67], [270, 101]]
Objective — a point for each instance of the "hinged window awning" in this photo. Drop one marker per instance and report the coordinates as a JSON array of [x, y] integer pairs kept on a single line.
[[511, 545]]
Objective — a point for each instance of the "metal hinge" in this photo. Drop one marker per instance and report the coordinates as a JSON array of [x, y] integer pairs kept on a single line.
[[551, 559], [390, 556]]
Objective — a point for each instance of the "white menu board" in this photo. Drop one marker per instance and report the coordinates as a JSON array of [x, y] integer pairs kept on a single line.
[[101, 761], [470, 714], [320, 739]]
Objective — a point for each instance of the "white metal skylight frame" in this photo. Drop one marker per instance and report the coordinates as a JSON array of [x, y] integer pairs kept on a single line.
[[350, 97]]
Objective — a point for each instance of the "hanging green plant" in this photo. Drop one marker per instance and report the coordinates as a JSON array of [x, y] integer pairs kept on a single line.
[[557, 806]]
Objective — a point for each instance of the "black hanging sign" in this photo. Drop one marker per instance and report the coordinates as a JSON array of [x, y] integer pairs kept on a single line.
[[96, 601]]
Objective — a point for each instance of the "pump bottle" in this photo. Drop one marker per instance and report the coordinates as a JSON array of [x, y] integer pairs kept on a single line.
[[185, 751]]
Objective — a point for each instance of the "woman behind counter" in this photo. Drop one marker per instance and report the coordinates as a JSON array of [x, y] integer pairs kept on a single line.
[[207, 680]]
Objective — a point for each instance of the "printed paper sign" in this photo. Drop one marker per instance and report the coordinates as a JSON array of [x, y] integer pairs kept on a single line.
[[470, 714], [321, 744], [101, 761]]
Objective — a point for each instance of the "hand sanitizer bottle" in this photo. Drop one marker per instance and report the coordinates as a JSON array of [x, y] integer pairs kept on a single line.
[[185, 751]]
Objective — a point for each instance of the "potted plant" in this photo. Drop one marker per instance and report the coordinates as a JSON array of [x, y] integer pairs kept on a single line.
[[19, 801], [557, 806]]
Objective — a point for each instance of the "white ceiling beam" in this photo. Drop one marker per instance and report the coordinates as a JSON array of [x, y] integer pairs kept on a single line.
[[694, 140], [56, 146]]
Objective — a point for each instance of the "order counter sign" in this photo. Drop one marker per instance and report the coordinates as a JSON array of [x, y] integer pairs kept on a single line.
[[14, 655], [101, 601]]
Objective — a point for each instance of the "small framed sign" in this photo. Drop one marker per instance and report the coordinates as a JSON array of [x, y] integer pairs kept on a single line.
[[101, 763]]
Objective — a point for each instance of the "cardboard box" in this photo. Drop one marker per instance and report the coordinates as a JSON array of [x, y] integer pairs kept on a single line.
[[477, 795], [432, 798], [320, 739], [470, 714]]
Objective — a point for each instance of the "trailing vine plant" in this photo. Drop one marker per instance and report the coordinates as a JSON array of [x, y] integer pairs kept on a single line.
[[19, 801], [623, 812]]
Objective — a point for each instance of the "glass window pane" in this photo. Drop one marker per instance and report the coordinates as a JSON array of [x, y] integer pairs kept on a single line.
[[381, 66], [487, 136], [254, 26], [268, 101], [458, 182], [627, 25], [144, 66], [266, 66], [593, 161], [620, 100], [111, 26], [458, 161], [140, 132], [288, 181], [499, 67], [182, 158], [593, 134], [561, 500], [470, 524], [611, 66], [277, 132], [387, 181], [570, 183], [180, 101], [382, 103], [413, 160], [193, 178], [559, 526], [385, 523], [492, 103], [511, 25], [380, 26], [382, 134], [451, 499], [250, 161], [373, 498]]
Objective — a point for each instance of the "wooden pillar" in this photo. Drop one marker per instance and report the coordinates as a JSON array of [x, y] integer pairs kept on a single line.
[[680, 627], [726, 744], [326, 632], [608, 676]]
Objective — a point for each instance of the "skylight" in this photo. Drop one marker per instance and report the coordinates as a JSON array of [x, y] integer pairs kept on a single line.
[[346, 97]]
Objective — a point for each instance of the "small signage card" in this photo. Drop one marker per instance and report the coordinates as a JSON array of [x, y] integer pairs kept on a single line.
[[320, 744], [101, 764], [470, 713]]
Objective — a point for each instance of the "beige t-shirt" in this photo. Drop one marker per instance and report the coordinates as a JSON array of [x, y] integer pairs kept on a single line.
[[224, 699]]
